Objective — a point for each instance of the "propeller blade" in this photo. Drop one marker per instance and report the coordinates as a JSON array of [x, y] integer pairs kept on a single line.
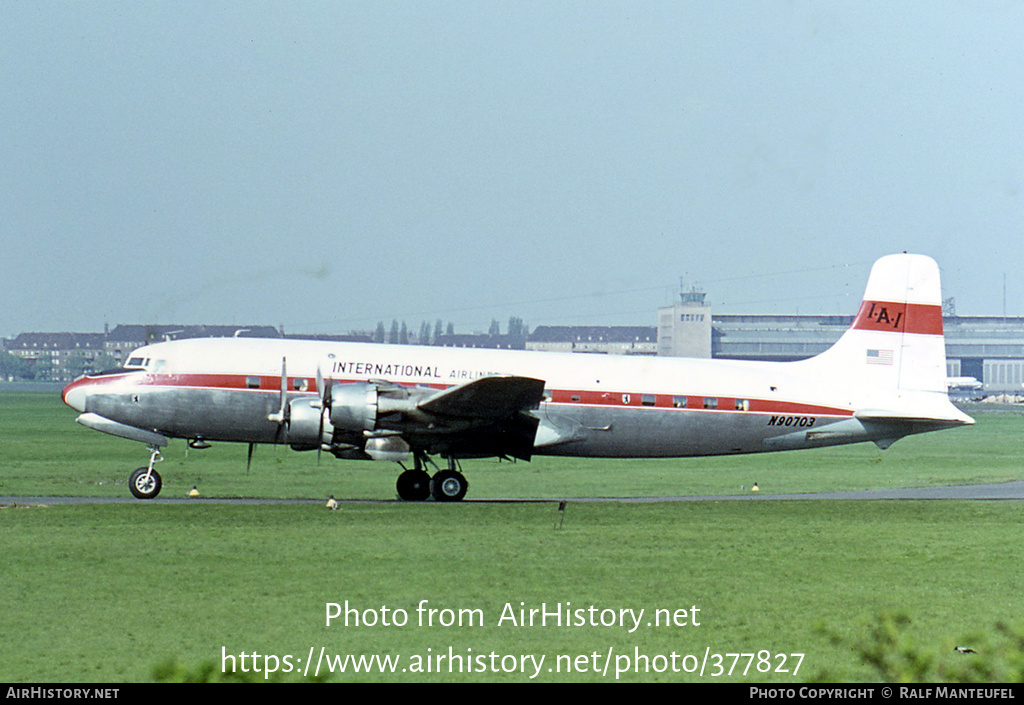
[[284, 382], [281, 416], [320, 438], [324, 388]]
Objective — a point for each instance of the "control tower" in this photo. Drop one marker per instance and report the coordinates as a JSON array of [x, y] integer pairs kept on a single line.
[[684, 330]]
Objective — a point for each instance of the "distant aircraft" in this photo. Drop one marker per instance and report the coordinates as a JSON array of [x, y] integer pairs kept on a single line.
[[963, 383], [883, 380]]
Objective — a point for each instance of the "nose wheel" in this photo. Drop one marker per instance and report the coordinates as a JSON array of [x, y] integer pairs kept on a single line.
[[145, 483]]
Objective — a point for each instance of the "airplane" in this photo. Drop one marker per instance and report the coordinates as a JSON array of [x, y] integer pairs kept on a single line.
[[963, 383], [884, 379]]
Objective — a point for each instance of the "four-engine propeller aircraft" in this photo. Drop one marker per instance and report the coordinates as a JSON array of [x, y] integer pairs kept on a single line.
[[884, 379]]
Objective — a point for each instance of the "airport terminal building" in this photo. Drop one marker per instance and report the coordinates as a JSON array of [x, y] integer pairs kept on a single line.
[[988, 348]]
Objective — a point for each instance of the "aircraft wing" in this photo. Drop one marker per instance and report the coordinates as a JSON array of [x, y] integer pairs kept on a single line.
[[487, 398]]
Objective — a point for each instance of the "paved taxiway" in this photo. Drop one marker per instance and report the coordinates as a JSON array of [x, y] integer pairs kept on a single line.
[[998, 491]]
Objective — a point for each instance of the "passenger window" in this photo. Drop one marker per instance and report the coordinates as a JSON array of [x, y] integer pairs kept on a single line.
[[648, 399], [742, 405], [679, 402], [710, 402], [252, 382]]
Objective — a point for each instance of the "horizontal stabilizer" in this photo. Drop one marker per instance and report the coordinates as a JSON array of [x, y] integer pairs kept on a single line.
[[487, 398], [953, 418]]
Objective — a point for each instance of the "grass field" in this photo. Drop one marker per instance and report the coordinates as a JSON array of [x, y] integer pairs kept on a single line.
[[119, 593]]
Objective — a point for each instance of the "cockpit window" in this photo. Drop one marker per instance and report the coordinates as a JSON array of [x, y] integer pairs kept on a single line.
[[151, 365], [114, 371]]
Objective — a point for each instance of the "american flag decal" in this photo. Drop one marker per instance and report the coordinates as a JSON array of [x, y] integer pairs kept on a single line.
[[879, 357]]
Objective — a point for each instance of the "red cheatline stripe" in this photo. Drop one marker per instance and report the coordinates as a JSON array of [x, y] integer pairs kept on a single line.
[[271, 384], [896, 317]]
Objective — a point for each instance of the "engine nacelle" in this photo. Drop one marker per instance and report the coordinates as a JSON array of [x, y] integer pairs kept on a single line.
[[354, 406], [348, 426], [304, 425], [393, 448]]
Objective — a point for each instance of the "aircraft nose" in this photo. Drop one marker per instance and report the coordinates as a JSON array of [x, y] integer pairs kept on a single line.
[[75, 395]]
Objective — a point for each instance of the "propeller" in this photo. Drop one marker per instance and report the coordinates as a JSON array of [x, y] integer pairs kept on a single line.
[[324, 388], [280, 417]]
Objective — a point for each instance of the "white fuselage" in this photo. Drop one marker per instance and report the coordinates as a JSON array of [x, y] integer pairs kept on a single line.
[[594, 405]]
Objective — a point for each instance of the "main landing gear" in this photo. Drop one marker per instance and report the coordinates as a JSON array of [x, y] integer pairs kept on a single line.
[[417, 485], [145, 483]]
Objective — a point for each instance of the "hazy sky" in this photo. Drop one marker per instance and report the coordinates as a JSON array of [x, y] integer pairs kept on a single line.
[[325, 165]]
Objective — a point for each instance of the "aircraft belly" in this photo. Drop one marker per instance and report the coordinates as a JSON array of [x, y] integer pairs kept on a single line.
[[655, 432], [242, 416]]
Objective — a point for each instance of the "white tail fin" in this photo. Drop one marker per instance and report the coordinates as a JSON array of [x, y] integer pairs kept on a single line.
[[896, 339], [894, 354]]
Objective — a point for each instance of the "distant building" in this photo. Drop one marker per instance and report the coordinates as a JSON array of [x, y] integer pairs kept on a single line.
[[988, 348], [610, 340], [774, 338], [62, 356], [125, 338], [492, 342], [145, 335], [350, 338], [684, 330]]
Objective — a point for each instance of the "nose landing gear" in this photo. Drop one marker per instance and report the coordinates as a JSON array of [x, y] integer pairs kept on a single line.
[[145, 483]]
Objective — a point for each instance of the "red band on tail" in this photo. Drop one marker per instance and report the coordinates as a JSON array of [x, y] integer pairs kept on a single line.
[[893, 317]]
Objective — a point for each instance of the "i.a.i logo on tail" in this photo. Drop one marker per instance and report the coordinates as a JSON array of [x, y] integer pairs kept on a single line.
[[876, 315], [896, 317]]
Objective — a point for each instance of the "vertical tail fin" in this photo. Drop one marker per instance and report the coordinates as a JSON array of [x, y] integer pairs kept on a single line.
[[894, 354], [902, 312], [896, 339]]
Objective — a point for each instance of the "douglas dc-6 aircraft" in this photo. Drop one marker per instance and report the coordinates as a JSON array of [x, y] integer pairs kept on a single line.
[[884, 379]]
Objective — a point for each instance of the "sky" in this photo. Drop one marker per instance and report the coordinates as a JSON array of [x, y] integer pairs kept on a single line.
[[322, 166]]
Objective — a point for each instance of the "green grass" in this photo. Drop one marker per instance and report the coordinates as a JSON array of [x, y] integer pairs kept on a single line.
[[119, 593], [106, 593]]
